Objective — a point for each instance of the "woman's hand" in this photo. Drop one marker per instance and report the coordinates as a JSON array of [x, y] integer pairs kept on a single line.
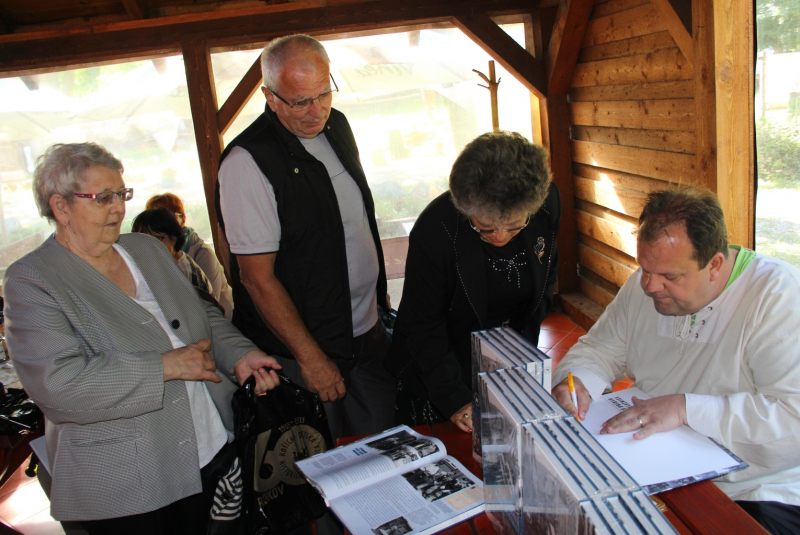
[[463, 418], [256, 363], [190, 363]]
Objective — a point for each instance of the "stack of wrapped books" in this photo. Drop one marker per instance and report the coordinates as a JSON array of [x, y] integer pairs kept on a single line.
[[502, 348], [544, 473]]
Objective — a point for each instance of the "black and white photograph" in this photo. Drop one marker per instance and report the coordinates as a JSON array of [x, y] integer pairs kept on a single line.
[[398, 526], [407, 453], [392, 441], [437, 480]]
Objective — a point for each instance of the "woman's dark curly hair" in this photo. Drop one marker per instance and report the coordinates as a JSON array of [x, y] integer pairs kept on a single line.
[[498, 175]]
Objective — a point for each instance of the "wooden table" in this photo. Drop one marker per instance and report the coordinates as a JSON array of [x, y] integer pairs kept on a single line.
[[699, 508]]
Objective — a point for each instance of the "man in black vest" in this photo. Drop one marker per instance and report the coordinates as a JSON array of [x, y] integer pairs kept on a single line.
[[306, 258]]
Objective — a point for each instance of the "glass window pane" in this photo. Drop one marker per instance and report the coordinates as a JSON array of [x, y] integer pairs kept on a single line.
[[413, 102], [137, 110], [777, 107]]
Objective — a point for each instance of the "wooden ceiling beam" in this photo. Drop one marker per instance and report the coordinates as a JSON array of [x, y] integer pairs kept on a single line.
[[565, 44], [494, 41], [135, 8], [148, 37], [676, 27], [241, 94], [5, 24]]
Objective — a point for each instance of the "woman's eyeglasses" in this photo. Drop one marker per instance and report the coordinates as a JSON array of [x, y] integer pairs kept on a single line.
[[493, 230], [302, 105], [108, 197]]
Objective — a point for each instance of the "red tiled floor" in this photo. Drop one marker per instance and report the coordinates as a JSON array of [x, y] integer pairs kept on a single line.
[[40, 524], [23, 503], [25, 507], [558, 322], [568, 341]]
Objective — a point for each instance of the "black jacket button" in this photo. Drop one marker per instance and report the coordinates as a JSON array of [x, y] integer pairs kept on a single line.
[[176, 324]]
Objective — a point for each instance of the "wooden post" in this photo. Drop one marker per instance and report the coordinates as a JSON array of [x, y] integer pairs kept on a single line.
[[203, 102], [491, 85], [705, 110], [556, 126], [563, 50], [533, 44], [733, 37]]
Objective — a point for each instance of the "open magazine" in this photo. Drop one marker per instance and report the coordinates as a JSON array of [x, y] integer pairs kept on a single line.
[[393, 483]]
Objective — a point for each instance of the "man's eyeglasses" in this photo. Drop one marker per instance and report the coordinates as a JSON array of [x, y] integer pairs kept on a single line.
[[302, 105], [108, 197], [493, 230]]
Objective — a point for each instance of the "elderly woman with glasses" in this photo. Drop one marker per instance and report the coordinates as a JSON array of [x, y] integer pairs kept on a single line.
[[481, 255], [129, 366]]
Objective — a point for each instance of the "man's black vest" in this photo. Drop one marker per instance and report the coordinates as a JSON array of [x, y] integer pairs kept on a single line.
[[312, 260]]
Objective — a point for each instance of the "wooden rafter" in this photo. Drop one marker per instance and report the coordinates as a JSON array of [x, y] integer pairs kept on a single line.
[[136, 9], [228, 28], [565, 44], [676, 28], [497, 43], [239, 97]]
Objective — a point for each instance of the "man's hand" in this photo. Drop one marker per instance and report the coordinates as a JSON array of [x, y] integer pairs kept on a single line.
[[654, 415], [322, 376], [261, 366], [562, 395], [463, 418], [190, 363]]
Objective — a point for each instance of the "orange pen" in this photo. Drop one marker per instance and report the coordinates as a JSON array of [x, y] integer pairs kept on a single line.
[[572, 393]]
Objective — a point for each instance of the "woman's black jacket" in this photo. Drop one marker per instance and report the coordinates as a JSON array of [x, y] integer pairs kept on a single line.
[[445, 299]]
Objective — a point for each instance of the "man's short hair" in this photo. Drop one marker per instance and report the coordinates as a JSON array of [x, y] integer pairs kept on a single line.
[[500, 174], [697, 210], [279, 50]]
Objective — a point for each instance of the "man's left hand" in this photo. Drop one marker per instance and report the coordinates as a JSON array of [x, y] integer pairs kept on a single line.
[[260, 365], [654, 415]]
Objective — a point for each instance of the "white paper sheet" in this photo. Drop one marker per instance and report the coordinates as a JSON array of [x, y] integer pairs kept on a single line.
[[662, 460]]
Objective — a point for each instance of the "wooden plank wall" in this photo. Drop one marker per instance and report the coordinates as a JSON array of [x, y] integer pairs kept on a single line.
[[633, 124]]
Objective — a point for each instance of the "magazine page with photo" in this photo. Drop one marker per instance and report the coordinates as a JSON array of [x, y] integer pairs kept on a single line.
[[394, 483]]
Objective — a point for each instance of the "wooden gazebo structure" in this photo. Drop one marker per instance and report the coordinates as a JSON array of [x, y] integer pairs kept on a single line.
[[633, 94]]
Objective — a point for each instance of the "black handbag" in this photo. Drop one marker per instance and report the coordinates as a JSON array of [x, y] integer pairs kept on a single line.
[[272, 432]]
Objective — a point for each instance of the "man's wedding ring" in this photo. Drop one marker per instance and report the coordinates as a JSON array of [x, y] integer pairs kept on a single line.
[[641, 423]]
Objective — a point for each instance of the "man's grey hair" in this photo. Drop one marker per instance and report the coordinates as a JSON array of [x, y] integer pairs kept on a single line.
[[499, 175], [60, 171], [278, 51]]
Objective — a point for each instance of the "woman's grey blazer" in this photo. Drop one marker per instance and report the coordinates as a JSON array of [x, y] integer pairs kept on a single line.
[[121, 441]]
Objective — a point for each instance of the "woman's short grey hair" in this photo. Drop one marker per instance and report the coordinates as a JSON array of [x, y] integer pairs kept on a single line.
[[278, 51], [60, 171], [499, 175]]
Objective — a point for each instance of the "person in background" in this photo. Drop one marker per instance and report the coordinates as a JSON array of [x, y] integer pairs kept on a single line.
[[306, 260], [710, 331], [129, 366], [200, 251], [481, 255], [162, 225]]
